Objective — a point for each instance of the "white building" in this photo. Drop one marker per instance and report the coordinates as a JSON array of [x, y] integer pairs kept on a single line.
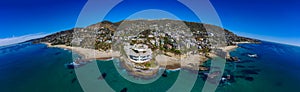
[[138, 53]]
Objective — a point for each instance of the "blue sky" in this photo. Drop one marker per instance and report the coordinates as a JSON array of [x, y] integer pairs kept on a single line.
[[272, 20]]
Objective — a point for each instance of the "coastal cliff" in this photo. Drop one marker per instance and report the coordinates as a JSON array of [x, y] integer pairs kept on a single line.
[[159, 35]]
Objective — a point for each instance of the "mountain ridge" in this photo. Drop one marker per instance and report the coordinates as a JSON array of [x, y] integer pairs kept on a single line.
[[199, 30]]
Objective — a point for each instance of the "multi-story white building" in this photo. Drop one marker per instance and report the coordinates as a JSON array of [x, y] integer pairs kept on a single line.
[[138, 53]]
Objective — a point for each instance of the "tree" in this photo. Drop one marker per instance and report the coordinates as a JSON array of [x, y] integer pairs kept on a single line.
[[178, 52]]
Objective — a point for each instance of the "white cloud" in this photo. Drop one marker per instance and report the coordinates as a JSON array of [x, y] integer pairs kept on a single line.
[[19, 39]]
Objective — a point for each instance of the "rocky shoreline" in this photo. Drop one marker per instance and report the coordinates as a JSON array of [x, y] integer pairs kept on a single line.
[[106, 56], [175, 44]]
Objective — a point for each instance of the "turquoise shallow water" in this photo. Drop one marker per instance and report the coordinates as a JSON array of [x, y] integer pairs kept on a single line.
[[35, 68]]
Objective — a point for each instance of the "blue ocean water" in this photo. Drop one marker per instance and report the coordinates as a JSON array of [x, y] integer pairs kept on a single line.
[[28, 67], [275, 70]]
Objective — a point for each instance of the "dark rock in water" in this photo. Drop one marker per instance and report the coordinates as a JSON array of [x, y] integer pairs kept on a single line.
[[247, 71], [57, 53], [232, 79], [240, 76], [73, 80], [245, 61], [251, 66], [103, 75], [70, 66], [233, 59], [249, 78], [124, 90], [202, 75], [165, 74], [240, 66]]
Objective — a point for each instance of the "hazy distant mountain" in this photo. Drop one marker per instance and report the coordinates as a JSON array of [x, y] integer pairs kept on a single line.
[[19, 39]]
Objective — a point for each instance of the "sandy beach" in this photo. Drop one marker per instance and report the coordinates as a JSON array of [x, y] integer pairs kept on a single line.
[[227, 49], [88, 54], [190, 61]]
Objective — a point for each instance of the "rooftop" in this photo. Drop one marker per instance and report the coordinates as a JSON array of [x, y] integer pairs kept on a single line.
[[138, 53]]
